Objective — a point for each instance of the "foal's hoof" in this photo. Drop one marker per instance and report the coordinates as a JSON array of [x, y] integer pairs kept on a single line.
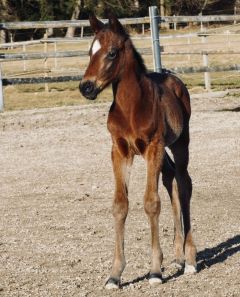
[[112, 284], [189, 269], [155, 279]]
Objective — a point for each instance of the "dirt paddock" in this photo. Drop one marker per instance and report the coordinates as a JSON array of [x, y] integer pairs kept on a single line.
[[56, 231]]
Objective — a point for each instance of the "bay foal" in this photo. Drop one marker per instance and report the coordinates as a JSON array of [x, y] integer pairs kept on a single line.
[[150, 111]]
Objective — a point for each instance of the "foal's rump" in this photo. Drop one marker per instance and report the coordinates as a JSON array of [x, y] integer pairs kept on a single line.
[[174, 105], [167, 80]]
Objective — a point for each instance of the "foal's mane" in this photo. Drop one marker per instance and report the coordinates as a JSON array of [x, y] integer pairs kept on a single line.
[[141, 65]]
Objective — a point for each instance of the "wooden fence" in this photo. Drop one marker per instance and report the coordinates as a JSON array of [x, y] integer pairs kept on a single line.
[[12, 26], [4, 57], [126, 21]]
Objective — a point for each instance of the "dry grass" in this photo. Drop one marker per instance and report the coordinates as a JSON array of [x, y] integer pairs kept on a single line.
[[35, 96], [60, 94]]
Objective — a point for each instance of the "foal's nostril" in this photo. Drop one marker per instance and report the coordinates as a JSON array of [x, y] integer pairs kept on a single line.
[[87, 88]]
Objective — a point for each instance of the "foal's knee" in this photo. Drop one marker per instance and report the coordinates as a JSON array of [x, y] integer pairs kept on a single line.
[[120, 208], [152, 206]]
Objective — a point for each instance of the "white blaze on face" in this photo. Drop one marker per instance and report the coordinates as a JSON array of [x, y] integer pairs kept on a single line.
[[96, 47]]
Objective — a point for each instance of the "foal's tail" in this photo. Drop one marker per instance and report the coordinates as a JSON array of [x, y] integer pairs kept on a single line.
[[168, 163], [168, 173]]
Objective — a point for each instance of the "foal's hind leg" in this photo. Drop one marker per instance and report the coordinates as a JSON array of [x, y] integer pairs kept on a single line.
[[121, 169], [184, 184], [169, 181]]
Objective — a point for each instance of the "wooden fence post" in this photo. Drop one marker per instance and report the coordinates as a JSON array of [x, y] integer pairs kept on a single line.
[[201, 24], [11, 38], [175, 25], [1, 92], [235, 12], [45, 64], [189, 42], [228, 39], [55, 51], [207, 79], [24, 61]]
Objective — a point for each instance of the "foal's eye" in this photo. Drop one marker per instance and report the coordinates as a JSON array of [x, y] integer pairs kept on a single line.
[[112, 54]]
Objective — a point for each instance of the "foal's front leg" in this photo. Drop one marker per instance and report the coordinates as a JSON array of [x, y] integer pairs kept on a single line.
[[152, 204], [121, 168]]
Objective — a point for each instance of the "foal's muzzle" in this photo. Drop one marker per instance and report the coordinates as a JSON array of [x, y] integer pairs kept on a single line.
[[89, 89]]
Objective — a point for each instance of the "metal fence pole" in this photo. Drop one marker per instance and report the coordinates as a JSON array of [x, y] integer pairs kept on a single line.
[[153, 14], [1, 92]]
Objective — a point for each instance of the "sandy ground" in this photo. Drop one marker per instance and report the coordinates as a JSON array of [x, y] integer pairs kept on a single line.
[[56, 230]]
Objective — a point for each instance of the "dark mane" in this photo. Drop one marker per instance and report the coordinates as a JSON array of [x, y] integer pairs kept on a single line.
[[142, 68]]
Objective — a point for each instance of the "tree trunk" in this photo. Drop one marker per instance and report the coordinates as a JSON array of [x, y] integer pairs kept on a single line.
[[237, 5], [204, 5], [76, 11], [162, 8], [163, 13], [3, 36], [4, 17], [136, 3]]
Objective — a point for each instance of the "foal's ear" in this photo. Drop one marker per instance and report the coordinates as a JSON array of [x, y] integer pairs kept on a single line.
[[115, 25], [95, 24]]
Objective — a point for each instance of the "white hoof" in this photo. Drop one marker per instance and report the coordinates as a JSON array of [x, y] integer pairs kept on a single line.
[[111, 286], [189, 269], [155, 281]]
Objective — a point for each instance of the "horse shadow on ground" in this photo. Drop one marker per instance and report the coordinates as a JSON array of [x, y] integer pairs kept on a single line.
[[236, 109], [205, 259]]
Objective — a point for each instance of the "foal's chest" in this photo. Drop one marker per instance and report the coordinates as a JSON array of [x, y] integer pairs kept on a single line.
[[129, 133]]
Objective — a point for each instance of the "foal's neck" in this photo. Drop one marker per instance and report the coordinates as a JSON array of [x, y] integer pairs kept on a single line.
[[129, 88]]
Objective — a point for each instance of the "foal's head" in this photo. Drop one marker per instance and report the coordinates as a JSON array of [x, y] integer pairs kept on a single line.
[[108, 56]]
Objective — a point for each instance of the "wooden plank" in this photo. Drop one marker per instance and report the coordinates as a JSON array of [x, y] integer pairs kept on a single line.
[[186, 70], [126, 21], [49, 40], [34, 56], [199, 18], [201, 52], [39, 80], [4, 57], [65, 24]]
